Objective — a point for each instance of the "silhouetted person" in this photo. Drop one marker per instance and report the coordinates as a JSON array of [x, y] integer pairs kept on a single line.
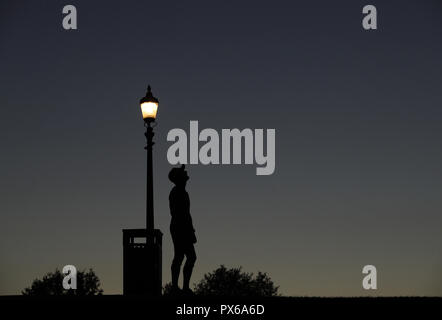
[[181, 229]]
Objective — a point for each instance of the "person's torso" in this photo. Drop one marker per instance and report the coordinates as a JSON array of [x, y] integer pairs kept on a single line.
[[179, 204]]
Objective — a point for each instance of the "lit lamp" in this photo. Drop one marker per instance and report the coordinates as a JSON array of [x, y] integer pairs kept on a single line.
[[149, 106]]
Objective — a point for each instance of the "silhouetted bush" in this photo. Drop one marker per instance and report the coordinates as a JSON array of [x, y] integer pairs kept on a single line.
[[232, 282], [235, 282], [167, 289], [88, 284]]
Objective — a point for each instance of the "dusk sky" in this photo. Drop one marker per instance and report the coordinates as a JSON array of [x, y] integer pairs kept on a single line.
[[357, 114]]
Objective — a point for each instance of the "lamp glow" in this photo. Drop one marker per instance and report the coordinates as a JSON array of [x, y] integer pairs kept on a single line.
[[149, 110], [149, 106]]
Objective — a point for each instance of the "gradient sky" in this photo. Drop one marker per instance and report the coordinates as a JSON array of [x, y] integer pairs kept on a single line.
[[357, 114]]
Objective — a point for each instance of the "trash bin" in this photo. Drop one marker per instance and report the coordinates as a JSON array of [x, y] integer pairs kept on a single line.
[[142, 262]]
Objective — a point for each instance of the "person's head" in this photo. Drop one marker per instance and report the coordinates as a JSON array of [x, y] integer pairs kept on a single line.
[[179, 176]]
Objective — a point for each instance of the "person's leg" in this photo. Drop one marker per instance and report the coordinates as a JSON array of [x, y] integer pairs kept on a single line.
[[176, 263], [188, 267]]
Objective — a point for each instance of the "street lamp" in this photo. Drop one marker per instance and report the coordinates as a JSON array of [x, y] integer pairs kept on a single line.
[[149, 108], [144, 258]]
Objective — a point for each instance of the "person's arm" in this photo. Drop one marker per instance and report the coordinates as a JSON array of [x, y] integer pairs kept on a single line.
[[173, 204]]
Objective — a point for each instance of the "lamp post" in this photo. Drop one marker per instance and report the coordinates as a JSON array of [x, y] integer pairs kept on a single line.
[[144, 258], [149, 108]]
